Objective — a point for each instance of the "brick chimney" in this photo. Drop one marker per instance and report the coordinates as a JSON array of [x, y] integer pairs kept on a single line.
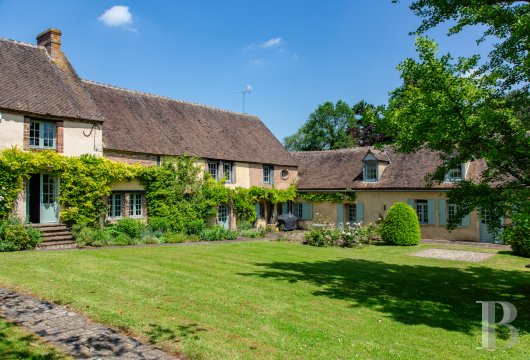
[[51, 40]]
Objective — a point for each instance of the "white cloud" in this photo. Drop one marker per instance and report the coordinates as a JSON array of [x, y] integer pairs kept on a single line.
[[272, 42], [118, 15]]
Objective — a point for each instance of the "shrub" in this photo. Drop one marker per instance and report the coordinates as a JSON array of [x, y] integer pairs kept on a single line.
[[216, 233], [173, 238], [322, 236], [133, 228], [401, 226], [356, 236], [253, 233], [14, 236], [518, 234], [159, 224], [195, 227]]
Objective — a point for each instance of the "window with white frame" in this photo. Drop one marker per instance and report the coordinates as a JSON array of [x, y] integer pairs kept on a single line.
[[370, 171], [115, 206], [422, 210], [268, 171], [42, 135], [228, 171], [452, 209], [455, 173], [213, 169], [299, 210], [136, 205], [352, 213]]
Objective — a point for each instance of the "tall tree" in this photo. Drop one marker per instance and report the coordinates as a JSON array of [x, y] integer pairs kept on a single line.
[[471, 111], [365, 132], [327, 128]]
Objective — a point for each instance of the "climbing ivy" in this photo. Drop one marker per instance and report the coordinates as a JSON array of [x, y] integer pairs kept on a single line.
[[337, 197], [86, 181]]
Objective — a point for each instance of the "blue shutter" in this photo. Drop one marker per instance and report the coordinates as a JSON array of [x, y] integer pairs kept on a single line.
[[340, 216], [442, 218], [258, 208], [307, 211], [285, 208], [466, 221], [430, 212], [411, 203], [359, 212]]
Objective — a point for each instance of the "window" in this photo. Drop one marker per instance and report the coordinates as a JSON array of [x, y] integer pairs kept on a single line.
[[42, 135], [158, 160], [136, 205], [452, 209], [268, 171], [115, 206], [299, 210], [422, 209], [352, 213], [289, 207], [284, 174], [370, 171], [455, 173], [228, 168], [213, 169], [222, 215]]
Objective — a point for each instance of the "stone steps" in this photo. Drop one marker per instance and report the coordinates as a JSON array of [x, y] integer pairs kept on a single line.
[[55, 237]]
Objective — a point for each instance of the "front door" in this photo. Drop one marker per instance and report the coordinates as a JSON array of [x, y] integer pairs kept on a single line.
[[49, 205], [223, 216], [485, 235]]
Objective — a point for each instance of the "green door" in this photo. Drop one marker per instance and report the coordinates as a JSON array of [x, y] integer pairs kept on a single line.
[[49, 205]]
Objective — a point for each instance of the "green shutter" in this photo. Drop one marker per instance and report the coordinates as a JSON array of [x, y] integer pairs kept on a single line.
[[411, 203], [340, 215], [307, 211], [466, 221], [442, 212], [430, 212], [257, 207], [285, 208], [359, 212]]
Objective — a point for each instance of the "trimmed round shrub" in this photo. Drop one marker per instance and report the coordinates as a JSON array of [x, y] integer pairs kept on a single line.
[[518, 234], [401, 226]]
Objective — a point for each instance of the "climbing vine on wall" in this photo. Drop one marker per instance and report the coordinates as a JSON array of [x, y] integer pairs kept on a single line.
[[86, 181], [328, 197]]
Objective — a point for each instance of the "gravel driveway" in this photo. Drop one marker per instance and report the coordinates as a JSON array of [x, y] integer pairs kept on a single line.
[[459, 255]]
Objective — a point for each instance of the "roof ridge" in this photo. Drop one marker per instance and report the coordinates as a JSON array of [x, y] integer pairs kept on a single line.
[[357, 148], [114, 87], [19, 42]]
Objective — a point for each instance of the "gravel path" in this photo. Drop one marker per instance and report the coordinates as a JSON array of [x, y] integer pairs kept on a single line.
[[71, 332], [460, 255]]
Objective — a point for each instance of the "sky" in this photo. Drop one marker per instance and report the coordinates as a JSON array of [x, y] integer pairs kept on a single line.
[[294, 54]]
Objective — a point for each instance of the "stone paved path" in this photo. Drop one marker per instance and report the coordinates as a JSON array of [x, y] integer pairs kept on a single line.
[[71, 332]]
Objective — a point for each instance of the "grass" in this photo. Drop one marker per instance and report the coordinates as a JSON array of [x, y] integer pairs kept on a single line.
[[279, 300], [16, 344]]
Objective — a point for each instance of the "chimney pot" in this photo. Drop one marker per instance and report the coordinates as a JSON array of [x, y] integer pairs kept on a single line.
[[51, 40]]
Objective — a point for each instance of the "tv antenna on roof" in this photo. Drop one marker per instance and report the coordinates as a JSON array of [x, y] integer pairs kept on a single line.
[[247, 90]]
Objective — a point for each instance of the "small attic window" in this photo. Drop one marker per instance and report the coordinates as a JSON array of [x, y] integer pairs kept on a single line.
[[370, 170], [455, 173]]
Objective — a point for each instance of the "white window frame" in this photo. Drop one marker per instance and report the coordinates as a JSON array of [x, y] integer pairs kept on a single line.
[[228, 173], [268, 174], [136, 205], [459, 169], [299, 210], [112, 206], [422, 210], [452, 209], [221, 212], [371, 174], [213, 174], [44, 127]]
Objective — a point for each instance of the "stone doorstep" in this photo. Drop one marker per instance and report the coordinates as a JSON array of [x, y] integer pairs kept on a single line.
[[71, 332]]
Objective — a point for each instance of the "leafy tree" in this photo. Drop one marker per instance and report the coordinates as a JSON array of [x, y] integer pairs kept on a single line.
[[469, 111], [365, 133], [327, 128], [508, 21]]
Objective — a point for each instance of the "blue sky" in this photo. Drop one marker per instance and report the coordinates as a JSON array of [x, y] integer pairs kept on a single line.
[[295, 54]]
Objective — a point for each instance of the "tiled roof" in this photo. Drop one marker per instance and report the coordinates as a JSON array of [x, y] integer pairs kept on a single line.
[[342, 169], [146, 123], [31, 82]]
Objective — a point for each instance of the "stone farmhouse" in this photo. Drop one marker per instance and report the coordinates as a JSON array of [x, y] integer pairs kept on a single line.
[[44, 104]]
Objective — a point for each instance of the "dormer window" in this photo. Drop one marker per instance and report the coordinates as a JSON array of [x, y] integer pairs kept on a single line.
[[455, 173], [370, 170]]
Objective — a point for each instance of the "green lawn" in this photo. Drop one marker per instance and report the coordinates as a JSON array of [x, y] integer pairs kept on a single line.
[[279, 300], [16, 344]]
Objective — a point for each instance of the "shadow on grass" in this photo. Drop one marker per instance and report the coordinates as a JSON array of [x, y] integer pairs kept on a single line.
[[412, 294], [14, 346], [157, 333]]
